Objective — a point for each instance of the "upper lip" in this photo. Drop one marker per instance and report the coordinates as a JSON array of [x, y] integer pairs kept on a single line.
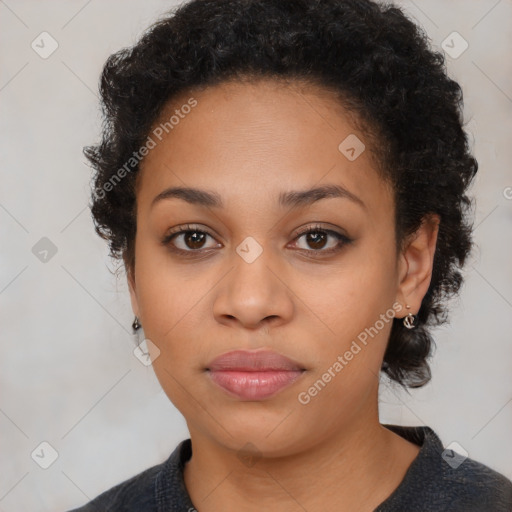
[[247, 360]]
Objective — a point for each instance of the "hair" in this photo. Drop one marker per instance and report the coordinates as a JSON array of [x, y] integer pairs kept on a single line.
[[382, 68]]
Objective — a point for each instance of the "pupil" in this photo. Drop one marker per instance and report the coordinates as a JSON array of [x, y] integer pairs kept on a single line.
[[195, 239], [317, 236], [194, 236]]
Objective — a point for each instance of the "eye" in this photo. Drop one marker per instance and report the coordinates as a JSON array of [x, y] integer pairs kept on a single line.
[[316, 237], [189, 239]]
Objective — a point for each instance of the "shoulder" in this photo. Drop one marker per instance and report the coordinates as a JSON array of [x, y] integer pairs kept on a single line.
[[140, 493], [135, 494], [475, 485], [441, 479]]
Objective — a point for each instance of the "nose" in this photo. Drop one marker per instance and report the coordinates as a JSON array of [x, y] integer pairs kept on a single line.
[[254, 294]]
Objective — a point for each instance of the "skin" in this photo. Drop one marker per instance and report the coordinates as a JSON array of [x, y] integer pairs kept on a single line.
[[248, 143]]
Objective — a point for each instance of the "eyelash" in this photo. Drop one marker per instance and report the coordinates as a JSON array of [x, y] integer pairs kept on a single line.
[[342, 240]]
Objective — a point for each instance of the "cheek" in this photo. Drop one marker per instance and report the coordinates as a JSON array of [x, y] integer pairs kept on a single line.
[[341, 298], [159, 292], [356, 304], [351, 295], [171, 300]]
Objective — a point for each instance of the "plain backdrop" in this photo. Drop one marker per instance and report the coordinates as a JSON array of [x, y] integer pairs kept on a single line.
[[69, 377]]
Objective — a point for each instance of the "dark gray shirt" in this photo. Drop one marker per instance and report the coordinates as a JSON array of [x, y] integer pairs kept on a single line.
[[436, 481]]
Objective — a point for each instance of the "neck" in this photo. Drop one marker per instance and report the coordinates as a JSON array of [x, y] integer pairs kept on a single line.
[[355, 469]]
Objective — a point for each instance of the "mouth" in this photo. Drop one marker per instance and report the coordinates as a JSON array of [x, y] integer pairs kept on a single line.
[[253, 375]]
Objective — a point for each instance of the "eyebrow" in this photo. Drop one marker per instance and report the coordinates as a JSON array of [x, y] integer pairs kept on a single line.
[[291, 199]]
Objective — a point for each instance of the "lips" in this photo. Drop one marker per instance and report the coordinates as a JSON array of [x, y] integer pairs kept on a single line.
[[244, 360], [253, 375]]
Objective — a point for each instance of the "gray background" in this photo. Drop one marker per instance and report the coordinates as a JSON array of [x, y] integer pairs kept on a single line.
[[68, 373]]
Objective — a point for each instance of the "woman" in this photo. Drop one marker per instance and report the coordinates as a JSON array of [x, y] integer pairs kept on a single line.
[[286, 184]]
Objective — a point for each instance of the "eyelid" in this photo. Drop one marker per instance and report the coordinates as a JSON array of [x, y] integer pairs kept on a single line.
[[183, 228], [343, 239], [187, 227], [316, 227]]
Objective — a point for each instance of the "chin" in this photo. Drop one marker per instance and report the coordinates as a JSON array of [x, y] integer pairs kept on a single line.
[[268, 434]]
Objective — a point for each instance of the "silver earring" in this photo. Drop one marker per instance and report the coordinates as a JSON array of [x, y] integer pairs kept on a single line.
[[136, 325], [410, 319]]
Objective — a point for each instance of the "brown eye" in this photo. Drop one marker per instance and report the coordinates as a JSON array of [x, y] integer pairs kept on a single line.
[[316, 239], [191, 241], [187, 240], [194, 239]]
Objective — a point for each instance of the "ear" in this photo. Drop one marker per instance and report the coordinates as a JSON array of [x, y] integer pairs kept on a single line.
[[416, 263], [132, 288]]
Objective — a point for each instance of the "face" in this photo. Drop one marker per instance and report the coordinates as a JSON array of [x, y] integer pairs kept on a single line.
[[235, 271]]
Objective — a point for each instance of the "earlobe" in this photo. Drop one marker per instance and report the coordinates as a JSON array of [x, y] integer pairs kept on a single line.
[[417, 260]]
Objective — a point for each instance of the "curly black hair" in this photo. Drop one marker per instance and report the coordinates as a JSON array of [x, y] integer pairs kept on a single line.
[[381, 66]]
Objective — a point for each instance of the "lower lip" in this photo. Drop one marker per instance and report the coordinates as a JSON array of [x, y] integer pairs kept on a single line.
[[254, 385]]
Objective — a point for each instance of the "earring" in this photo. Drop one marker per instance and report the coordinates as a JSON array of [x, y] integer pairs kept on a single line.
[[409, 319], [136, 325]]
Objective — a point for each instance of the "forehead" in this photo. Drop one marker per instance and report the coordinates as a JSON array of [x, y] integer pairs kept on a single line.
[[257, 139]]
